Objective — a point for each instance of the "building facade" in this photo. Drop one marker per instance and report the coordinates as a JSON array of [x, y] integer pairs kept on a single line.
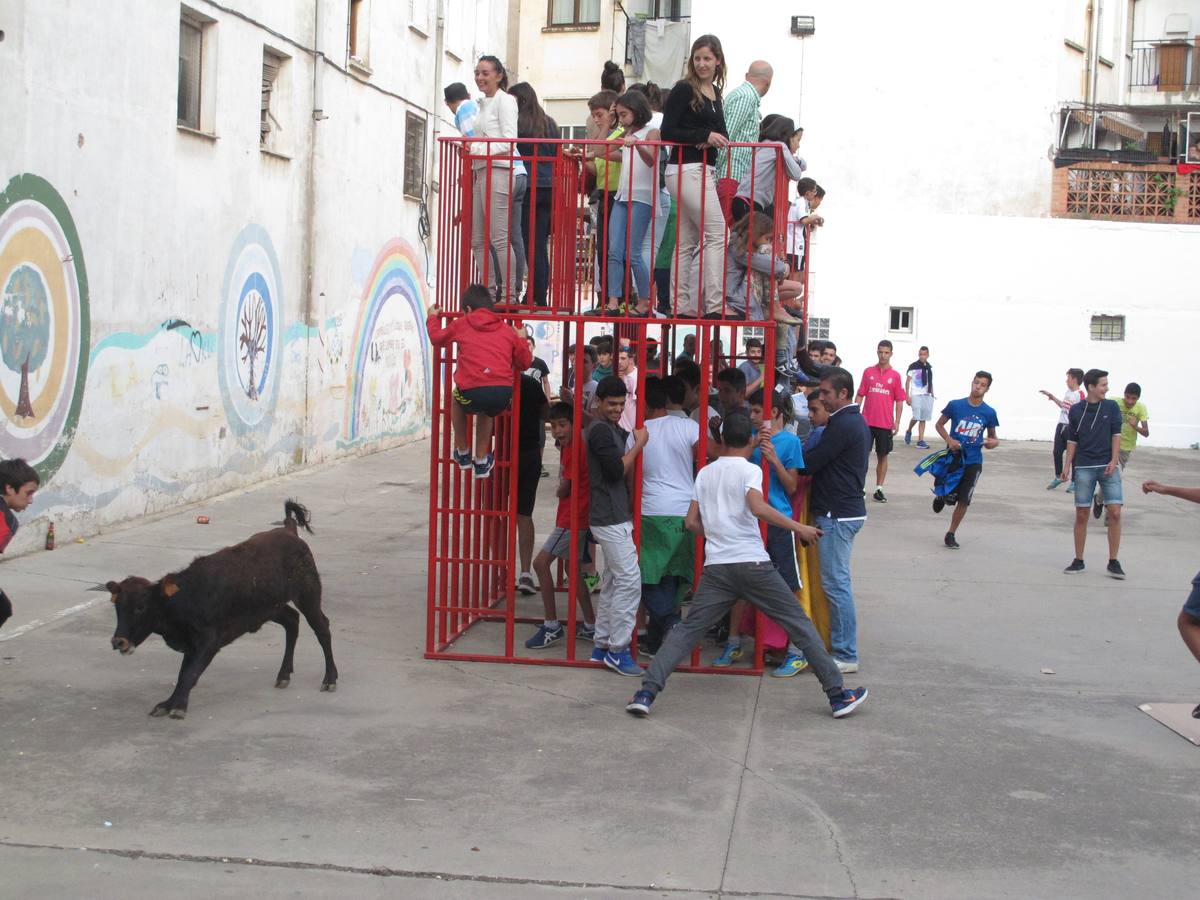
[[214, 242]]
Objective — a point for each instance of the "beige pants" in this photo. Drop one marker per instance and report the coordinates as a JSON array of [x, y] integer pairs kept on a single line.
[[699, 278], [490, 222]]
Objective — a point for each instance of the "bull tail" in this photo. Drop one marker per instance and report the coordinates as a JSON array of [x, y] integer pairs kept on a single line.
[[295, 515]]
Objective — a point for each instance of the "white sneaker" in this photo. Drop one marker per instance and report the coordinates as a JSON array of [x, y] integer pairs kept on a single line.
[[847, 668], [525, 584]]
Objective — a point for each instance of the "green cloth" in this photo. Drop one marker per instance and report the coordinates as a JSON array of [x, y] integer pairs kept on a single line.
[[666, 548], [1128, 435], [666, 252], [599, 372], [608, 174]]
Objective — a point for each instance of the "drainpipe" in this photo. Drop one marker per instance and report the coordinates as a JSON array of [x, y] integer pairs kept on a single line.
[[310, 218], [1094, 59], [433, 199]]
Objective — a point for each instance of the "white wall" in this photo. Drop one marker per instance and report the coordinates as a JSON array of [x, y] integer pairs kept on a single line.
[[147, 408], [931, 127]]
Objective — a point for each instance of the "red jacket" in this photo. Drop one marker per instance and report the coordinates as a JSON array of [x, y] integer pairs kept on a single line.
[[490, 352]]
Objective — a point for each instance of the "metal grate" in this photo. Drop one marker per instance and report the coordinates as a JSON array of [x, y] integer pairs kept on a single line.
[[1108, 328], [1121, 192], [414, 156], [1194, 199], [818, 329]]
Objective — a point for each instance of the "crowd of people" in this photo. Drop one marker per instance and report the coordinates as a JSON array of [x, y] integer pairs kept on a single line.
[[685, 220]]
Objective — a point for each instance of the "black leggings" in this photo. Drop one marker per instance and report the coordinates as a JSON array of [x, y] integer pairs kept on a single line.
[[1060, 447]]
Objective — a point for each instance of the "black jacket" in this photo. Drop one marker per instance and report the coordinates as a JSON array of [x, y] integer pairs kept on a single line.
[[689, 127], [838, 465]]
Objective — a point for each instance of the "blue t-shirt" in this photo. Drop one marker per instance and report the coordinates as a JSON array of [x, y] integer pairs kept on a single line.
[[1090, 427], [465, 117], [969, 425], [787, 448]]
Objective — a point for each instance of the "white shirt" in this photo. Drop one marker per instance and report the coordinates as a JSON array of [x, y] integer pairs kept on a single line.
[[497, 118], [799, 411], [795, 231], [1070, 398], [731, 533], [645, 176], [668, 465]]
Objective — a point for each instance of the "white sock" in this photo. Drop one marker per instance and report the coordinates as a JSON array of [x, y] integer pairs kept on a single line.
[[551, 624]]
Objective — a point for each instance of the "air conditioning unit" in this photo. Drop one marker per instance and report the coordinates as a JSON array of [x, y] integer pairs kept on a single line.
[[804, 25]]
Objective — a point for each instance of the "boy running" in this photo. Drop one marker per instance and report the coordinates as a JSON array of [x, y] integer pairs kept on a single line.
[[725, 509], [490, 355], [885, 397], [969, 418]]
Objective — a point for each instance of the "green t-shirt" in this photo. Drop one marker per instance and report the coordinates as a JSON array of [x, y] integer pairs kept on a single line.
[[1128, 435], [608, 174]]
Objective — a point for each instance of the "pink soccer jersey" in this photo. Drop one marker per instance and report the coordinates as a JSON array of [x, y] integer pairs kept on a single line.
[[882, 390]]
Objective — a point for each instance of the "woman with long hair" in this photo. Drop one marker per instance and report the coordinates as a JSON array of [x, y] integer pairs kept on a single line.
[[694, 119], [632, 207], [493, 175], [535, 125]]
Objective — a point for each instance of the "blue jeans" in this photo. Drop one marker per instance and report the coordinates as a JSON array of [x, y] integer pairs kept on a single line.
[[1086, 480], [635, 216], [661, 612], [835, 550]]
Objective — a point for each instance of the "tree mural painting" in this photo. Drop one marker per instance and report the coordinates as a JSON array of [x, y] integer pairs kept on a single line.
[[252, 338], [24, 329]]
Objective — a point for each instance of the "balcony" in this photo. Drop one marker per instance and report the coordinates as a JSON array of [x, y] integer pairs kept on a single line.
[[1165, 66], [1124, 192]]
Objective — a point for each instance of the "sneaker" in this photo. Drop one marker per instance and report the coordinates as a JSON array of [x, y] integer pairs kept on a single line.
[[793, 664], [848, 702], [908, 437], [622, 663], [1196, 712], [647, 647], [921, 445], [598, 654], [1054, 482], [592, 581], [1115, 570], [525, 584], [846, 667], [731, 654], [585, 632], [484, 469], [1075, 567], [545, 472], [640, 704], [462, 460], [950, 542], [1097, 507], [1071, 488], [939, 503], [545, 637], [878, 496]]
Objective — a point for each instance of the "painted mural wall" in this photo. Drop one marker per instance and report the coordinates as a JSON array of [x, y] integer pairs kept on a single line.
[[184, 314]]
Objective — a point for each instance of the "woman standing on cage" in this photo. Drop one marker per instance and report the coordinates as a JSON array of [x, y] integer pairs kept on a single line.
[[693, 117], [492, 171], [534, 125]]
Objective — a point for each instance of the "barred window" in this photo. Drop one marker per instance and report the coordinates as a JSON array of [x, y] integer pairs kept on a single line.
[[818, 329], [414, 156], [900, 318], [1108, 328]]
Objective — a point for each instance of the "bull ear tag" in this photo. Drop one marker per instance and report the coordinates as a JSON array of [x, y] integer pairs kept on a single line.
[[113, 598], [170, 588]]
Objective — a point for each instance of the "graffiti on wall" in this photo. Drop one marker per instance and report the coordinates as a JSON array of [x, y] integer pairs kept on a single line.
[[44, 324]]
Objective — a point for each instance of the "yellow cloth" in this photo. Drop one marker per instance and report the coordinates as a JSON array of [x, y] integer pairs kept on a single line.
[[608, 173]]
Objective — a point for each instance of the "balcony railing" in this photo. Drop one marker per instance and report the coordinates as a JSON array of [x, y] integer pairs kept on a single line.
[[1121, 192], [1166, 65]]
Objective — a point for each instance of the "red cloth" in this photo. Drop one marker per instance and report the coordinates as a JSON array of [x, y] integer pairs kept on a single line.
[[726, 191], [1188, 168], [581, 486], [490, 353]]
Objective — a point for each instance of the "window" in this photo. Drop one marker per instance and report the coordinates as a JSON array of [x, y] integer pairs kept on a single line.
[[660, 9], [572, 132], [357, 32], [818, 329], [274, 101], [900, 318], [574, 12], [414, 156], [194, 103], [1108, 328], [418, 16]]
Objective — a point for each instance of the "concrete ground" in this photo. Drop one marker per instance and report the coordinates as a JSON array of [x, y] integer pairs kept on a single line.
[[968, 773]]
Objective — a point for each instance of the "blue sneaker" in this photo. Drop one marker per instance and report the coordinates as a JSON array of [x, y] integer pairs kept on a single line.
[[622, 663], [921, 445], [463, 460], [1071, 488], [545, 637], [598, 654], [848, 702], [908, 437], [793, 664], [640, 704], [1054, 482], [731, 654], [484, 468]]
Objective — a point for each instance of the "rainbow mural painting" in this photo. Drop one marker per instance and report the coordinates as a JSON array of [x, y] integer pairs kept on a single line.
[[389, 386]]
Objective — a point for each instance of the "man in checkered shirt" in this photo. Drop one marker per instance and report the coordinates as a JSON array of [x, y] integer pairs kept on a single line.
[[742, 115]]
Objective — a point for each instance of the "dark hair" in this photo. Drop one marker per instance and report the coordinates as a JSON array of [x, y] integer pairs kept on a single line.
[[839, 380], [1077, 374], [926, 349], [453, 93], [884, 343], [736, 430], [756, 399], [610, 386], [688, 372], [804, 185], [1133, 388], [829, 345], [676, 389], [476, 296], [735, 378], [1093, 376], [820, 191], [636, 103], [589, 352], [753, 342], [653, 94], [499, 67], [655, 393], [983, 374], [603, 343], [561, 410], [713, 43], [612, 78], [779, 128], [532, 120], [16, 473], [602, 100], [781, 401]]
